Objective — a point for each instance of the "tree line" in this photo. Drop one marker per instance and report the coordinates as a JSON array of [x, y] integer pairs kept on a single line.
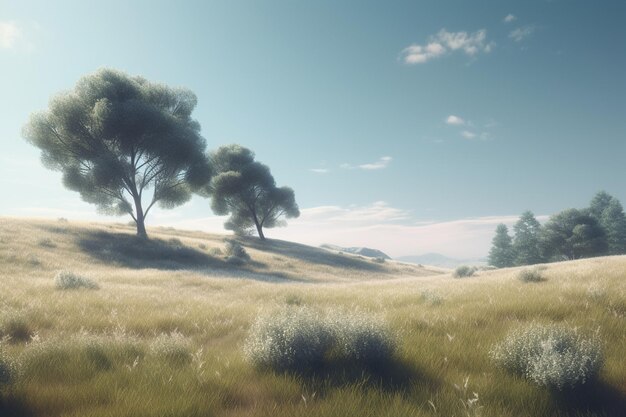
[[127, 144], [597, 230]]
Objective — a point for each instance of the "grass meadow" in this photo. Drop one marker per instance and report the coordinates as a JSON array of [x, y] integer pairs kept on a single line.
[[161, 333]]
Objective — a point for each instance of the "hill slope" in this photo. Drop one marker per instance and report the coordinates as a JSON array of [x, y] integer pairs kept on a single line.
[[163, 334]]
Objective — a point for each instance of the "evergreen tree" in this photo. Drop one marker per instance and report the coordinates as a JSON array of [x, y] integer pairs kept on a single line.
[[573, 234], [526, 241], [599, 203], [502, 254], [613, 221]]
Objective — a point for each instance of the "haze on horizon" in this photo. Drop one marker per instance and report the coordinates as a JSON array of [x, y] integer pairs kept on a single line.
[[406, 127]]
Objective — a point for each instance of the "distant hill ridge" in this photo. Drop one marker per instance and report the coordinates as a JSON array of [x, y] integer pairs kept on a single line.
[[368, 252], [437, 259]]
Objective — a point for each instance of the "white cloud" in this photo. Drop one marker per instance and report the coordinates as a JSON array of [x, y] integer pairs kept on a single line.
[[509, 18], [455, 120], [468, 135], [446, 42], [382, 163], [9, 34], [319, 170], [521, 33]]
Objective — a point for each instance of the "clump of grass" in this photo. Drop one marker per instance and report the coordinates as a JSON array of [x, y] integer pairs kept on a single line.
[[8, 370], [293, 300], [215, 251], [15, 327], [431, 297], [301, 339], [293, 339], [464, 271], [47, 243], [530, 275], [550, 355], [173, 347], [66, 280], [202, 246], [235, 253], [362, 338]]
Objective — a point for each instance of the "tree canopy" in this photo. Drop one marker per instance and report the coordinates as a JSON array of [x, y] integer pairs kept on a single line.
[[124, 143], [573, 234], [501, 254], [526, 242], [246, 189]]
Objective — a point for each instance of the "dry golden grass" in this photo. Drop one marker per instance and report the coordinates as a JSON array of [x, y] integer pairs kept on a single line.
[[99, 352]]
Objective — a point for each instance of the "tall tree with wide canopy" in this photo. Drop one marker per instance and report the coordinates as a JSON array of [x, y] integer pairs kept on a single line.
[[607, 210], [246, 189], [526, 240], [573, 234], [124, 143], [501, 254]]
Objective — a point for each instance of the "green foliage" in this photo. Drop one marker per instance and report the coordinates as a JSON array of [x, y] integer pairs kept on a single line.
[[526, 242], [501, 254], [464, 271], [245, 189], [530, 275], [66, 280], [235, 253], [550, 355], [15, 327], [302, 339], [116, 137], [572, 234], [613, 220]]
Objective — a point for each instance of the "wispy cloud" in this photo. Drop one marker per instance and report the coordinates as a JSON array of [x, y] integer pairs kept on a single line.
[[382, 163], [445, 42], [455, 120], [521, 33], [468, 135], [319, 170], [509, 18], [9, 34]]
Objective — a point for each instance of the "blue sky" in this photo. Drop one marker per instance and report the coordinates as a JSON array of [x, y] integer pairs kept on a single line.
[[408, 126]]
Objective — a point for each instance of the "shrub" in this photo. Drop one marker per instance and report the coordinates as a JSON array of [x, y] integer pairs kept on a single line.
[[173, 347], [431, 297], [301, 339], [215, 251], [294, 339], [235, 253], [464, 271], [202, 246], [530, 275], [66, 280], [7, 370], [362, 338], [550, 355], [47, 243], [14, 326]]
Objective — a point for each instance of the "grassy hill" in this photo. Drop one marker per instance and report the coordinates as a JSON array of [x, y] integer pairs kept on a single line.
[[164, 333]]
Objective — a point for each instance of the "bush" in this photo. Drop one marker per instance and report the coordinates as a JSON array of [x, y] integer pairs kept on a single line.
[[464, 271], [7, 370], [294, 339], [202, 246], [173, 347], [14, 326], [530, 275], [552, 356], [362, 338], [431, 297], [66, 280], [235, 253], [301, 339], [215, 251]]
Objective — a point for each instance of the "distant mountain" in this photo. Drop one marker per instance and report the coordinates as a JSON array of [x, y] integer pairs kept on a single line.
[[437, 259], [369, 252]]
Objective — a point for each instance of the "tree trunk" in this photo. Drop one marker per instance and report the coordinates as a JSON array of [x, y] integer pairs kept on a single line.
[[259, 230], [140, 219]]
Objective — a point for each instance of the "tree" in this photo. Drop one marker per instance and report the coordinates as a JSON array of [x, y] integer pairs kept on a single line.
[[599, 203], [501, 254], [526, 240], [573, 234], [245, 189], [116, 137], [613, 221]]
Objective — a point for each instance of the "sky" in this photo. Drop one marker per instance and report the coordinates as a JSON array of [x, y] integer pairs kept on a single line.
[[410, 127]]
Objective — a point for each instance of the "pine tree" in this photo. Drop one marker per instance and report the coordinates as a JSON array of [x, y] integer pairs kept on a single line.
[[526, 241], [502, 254], [613, 220]]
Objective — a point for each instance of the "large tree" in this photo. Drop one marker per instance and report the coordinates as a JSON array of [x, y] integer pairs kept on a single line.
[[501, 254], [245, 189], [573, 234], [526, 240], [599, 203], [124, 143], [613, 221]]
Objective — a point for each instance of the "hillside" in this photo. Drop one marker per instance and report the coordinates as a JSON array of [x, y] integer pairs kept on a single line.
[[108, 351]]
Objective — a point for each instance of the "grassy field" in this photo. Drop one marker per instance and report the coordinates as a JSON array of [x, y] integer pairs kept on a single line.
[[164, 333]]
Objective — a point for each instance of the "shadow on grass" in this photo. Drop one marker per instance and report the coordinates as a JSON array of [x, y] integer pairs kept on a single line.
[[594, 396], [311, 254], [392, 375], [130, 251], [14, 407]]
